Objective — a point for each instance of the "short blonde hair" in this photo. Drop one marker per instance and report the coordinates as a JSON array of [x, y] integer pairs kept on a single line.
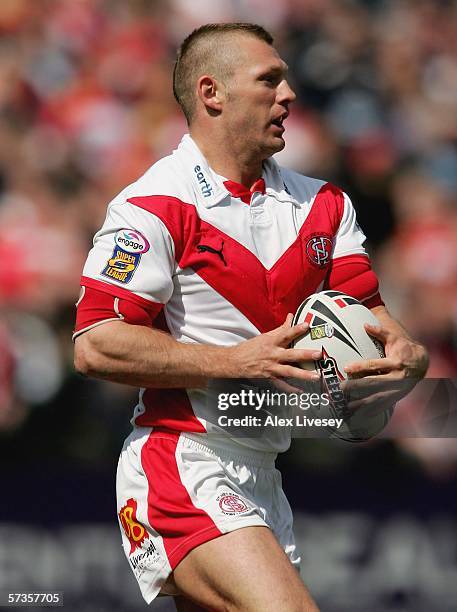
[[200, 53]]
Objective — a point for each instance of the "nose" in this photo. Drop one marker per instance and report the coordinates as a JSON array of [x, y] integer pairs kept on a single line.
[[285, 93]]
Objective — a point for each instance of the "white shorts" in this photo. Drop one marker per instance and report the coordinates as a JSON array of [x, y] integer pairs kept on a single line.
[[177, 491]]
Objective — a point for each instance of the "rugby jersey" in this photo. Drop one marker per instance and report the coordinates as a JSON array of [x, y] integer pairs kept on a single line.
[[215, 263]]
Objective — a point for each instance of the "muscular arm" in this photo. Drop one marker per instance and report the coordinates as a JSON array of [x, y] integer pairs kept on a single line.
[[144, 357], [140, 356]]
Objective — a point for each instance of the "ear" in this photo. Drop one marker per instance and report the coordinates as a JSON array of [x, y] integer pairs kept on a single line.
[[211, 93]]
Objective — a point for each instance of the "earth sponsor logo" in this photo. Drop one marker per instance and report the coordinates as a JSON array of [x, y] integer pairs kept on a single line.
[[131, 241], [205, 187]]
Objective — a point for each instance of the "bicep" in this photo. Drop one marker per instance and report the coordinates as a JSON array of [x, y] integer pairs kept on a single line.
[[116, 346], [96, 347]]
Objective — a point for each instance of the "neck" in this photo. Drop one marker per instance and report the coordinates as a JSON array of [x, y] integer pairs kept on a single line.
[[222, 155]]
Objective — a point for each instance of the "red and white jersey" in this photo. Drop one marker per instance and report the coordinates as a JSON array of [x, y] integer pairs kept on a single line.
[[185, 250]]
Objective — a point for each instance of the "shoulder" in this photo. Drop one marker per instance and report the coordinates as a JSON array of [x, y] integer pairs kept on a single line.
[[163, 178], [302, 186], [162, 194], [307, 190]]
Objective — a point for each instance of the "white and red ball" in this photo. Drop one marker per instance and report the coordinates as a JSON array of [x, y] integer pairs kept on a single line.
[[336, 327]]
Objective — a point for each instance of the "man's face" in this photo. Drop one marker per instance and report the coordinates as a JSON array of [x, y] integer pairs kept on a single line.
[[258, 97]]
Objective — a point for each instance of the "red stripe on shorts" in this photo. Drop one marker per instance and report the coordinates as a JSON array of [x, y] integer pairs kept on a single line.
[[171, 512]]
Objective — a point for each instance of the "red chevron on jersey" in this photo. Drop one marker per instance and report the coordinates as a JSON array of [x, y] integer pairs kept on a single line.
[[268, 295]]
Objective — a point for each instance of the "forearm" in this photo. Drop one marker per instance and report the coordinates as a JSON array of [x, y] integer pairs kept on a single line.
[[144, 357], [387, 321]]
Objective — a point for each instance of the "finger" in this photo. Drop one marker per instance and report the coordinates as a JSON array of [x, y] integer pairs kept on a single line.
[[284, 326], [289, 371], [288, 335], [370, 399], [394, 393], [288, 321], [287, 330], [353, 389], [368, 387], [373, 406], [377, 331], [306, 386], [369, 367], [355, 403], [283, 385], [297, 355], [382, 381]]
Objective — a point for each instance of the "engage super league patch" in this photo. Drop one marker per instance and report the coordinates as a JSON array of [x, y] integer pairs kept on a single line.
[[121, 266], [126, 256]]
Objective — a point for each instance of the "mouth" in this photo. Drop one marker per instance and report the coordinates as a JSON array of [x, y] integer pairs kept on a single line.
[[278, 122]]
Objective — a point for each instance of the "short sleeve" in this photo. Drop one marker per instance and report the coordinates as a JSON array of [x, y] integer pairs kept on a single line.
[[349, 237], [133, 251]]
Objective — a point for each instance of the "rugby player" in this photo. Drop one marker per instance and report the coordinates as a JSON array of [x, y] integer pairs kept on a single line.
[[194, 276]]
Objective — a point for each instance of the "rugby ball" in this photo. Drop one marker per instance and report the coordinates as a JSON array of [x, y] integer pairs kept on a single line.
[[336, 326]]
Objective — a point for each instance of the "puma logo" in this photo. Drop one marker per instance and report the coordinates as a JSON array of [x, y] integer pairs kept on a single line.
[[203, 248]]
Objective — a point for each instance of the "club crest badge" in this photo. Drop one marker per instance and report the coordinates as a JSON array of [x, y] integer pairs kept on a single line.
[[319, 249]]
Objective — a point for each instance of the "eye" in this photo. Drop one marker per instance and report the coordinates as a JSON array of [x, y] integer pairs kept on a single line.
[[270, 79]]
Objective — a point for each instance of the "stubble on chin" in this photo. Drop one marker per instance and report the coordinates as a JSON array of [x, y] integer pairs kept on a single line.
[[274, 147]]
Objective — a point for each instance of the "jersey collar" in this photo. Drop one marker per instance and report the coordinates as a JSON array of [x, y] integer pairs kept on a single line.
[[207, 186], [275, 185], [240, 191], [210, 189]]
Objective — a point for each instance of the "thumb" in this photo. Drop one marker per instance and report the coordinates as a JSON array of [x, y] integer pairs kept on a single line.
[[377, 331]]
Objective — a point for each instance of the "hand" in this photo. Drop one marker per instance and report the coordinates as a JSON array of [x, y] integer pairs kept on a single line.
[[268, 355], [385, 380], [404, 358]]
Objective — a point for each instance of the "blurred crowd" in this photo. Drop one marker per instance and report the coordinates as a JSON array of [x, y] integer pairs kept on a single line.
[[86, 106]]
